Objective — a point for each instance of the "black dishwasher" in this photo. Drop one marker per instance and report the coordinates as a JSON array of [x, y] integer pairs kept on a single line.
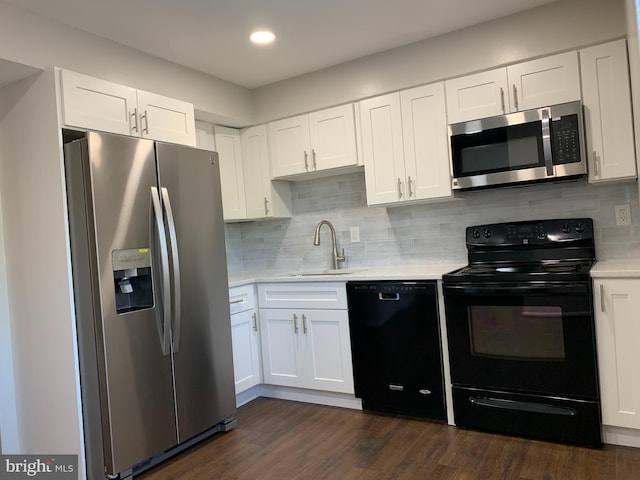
[[395, 345]]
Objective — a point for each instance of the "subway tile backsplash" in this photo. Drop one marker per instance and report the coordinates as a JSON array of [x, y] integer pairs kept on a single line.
[[419, 234]]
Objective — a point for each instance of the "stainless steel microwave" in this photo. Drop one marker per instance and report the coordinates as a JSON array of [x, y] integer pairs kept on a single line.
[[523, 147]]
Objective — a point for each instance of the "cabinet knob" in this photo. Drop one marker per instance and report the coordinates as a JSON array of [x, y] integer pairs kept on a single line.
[[306, 161], [515, 96]]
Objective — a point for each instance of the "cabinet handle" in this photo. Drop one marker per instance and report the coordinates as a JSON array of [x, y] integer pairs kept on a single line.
[[399, 188], [255, 322], [266, 206], [295, 324], [313, 157], [135, 120], [233, 302], [502, 100], [596, 169], [409, 184], [306, 161], [146, 122], [304, 323], [602, 298], [515, 96]]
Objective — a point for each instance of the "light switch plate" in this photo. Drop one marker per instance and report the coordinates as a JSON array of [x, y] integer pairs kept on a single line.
[[355, 234]]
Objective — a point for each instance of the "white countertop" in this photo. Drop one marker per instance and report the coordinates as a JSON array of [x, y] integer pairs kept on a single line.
[[621, 268], [405, 272]]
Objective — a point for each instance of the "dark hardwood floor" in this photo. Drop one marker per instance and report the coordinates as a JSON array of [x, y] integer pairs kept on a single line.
[[278, 439]]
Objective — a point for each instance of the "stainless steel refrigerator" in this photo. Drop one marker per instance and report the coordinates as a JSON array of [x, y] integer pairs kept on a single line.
[[151, 299]]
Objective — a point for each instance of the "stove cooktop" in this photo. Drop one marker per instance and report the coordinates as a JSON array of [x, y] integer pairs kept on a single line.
[[540, 250], [504, 272]]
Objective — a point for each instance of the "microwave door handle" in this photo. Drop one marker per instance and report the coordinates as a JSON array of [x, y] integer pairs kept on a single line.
[[546, 142]]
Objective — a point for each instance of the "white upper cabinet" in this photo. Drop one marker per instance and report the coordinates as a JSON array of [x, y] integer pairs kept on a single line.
[[248, 193], [317, 142], [166, 119], [426, 147], [404, 144], [265, 198], [607, 108], [95, 104], [476, 96], [231, 173], [383, 149], [523, 86]]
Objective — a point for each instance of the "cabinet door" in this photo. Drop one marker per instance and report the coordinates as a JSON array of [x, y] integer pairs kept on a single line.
[[166, 119], [543, 82], [231, 173], [290, 146], [426, 151], [96, 104], [265, 198], [328, 350], [205, 136], [607, 112], [282, 354], [617, 302], [333, 138], [477, 96], [383, 149], [246, 350]]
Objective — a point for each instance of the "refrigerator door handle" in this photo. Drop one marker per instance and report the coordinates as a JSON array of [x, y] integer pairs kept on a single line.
[[156, 223], [173, 240]]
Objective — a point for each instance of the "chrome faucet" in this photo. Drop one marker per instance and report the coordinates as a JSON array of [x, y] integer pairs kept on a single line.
[[316, 241]]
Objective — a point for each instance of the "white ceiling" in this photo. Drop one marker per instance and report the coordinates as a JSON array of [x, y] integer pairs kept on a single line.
[[212, 35]]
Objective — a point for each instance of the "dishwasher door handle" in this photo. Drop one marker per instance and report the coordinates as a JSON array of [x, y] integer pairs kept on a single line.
[[388, 296]]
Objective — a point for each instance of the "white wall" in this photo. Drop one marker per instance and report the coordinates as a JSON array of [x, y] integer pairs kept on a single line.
[[9, 436], [36, 41], [555, 27], [37, 268]]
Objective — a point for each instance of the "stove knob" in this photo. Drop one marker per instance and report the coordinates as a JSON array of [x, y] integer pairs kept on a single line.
[[487, 234], [580, 228], [566, 228], [476, 234]]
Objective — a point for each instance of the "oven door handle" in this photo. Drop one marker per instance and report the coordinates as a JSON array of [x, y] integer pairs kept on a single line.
[[523, 406], [532, 288]]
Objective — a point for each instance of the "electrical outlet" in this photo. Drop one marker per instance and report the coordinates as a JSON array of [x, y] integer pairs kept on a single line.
[[623, 215], [355, 234]]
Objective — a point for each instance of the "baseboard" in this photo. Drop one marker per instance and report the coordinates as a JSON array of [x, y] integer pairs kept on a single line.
[[310, 396], [627, 437]]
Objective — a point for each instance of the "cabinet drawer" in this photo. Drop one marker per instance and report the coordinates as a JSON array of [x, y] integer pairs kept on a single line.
[[242, 298], [303, 295]]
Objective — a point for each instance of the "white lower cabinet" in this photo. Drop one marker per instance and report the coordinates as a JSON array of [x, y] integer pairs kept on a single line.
[[245, 338], [617, 303], [307, 343]]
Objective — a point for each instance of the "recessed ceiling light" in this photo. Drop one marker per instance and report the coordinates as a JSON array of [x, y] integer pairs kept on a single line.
[[262, 37]]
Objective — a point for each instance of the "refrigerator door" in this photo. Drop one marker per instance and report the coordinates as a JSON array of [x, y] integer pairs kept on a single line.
[[135, 377], [190, 185]]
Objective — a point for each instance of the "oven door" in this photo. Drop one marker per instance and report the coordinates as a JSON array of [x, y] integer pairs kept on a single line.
[[535, 337]]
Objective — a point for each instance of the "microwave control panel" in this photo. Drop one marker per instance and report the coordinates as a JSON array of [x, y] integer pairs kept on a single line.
[[565, 139]]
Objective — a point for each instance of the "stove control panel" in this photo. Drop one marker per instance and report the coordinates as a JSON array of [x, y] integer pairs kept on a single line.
[[538, 232]]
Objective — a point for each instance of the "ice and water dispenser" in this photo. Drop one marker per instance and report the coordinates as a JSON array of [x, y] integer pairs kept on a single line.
[[132, 279]]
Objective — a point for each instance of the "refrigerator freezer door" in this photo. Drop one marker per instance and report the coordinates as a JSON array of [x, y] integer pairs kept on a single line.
[[190, 183], [136, 378]]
